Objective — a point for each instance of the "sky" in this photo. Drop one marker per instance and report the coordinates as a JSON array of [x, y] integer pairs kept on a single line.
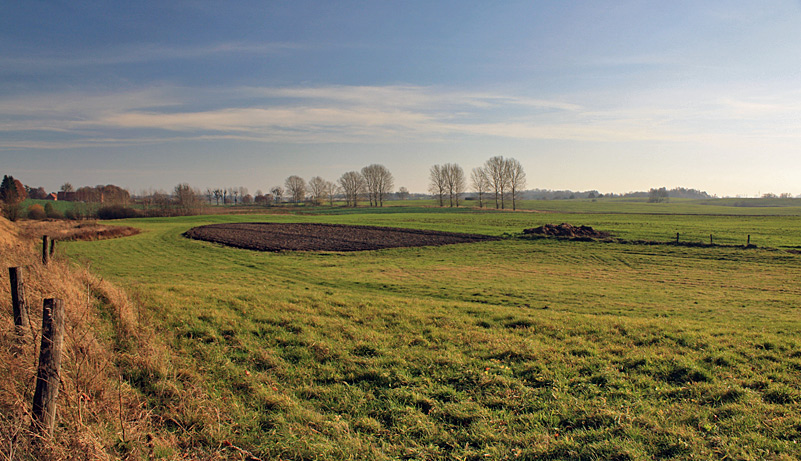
[[615, 96]]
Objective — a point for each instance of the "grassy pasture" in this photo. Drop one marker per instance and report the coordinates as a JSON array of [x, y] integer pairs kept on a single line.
[[531, 349]]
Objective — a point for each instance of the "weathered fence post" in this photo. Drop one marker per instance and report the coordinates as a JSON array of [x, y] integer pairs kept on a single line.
[[710, 239], [45, 254], [677, 237], [52, 247], [18, 307], [749, 240], [47, 376]]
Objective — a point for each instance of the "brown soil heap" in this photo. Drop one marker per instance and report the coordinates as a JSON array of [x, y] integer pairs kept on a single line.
[[323, 237], [565, 230]]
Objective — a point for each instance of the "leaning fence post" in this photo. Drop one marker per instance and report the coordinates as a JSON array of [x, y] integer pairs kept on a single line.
[[47, 376], [45, 254], [18, 307]]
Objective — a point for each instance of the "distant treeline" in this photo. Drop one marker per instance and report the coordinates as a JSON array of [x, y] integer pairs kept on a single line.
[[547, 194]]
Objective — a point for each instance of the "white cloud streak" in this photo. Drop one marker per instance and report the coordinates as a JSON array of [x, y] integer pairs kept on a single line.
[[375, 114], [142, 53]]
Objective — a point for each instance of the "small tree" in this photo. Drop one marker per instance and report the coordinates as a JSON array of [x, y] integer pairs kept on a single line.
[[187, 201], [498, 178], [378, 182], [658, 195], [516, 178], [296, 187], [352, 185], [51, 211], [480, 183], [437, 184], [403, 193], [12, 193], [454, 182], [331, 190], [278, 194], [317, 189]]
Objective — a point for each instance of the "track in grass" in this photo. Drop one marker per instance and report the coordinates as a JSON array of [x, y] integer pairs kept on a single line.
[[324, 237]]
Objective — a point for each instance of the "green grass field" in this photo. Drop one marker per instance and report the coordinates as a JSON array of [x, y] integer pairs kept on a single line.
[[519, 348]]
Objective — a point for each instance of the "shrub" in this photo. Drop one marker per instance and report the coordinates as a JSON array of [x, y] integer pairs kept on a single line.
[[36, 211], [51, 212], [116, 212]]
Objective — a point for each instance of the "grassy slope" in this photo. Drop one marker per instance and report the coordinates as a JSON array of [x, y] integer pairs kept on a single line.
[[534, 348]]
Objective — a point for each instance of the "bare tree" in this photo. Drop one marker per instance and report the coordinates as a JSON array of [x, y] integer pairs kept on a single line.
[[437, 184], [498, 178], [516, 179], [480, 183], [296, 187], [278, 194], [331, 189], [187, 200], [162, 201], [378, 183], [67, 187], [353, 185], [317, 189], [454, 182]]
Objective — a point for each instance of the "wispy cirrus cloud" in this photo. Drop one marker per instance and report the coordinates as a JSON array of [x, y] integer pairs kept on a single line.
[[358, 114], [30, 60]]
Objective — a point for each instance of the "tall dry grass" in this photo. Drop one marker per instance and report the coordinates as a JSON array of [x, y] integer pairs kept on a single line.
[[99, 416]]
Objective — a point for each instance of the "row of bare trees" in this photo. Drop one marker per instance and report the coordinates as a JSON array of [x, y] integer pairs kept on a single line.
[[374, 182], [228, 195], [503, 177]]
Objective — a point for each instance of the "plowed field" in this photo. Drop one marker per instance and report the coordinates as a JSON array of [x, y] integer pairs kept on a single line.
[[323, 237]]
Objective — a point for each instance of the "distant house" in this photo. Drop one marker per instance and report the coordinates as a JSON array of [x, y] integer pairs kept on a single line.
[[66, 196], [51, 196]]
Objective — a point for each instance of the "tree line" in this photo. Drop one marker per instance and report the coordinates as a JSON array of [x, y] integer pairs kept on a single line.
[[499, 177], [373, 183]]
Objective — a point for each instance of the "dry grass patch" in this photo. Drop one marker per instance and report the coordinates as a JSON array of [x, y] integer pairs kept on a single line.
[[99, 415], [74, 230]]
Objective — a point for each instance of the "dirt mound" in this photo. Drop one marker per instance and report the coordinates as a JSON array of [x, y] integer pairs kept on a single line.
[[323, 237], [565, 230]]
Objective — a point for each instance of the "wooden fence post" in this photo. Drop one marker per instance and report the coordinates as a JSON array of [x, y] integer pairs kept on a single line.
[[52, 247], [18, 306], [677, 237], [710, 239], [47, 376], [749, 240], [45, 254]]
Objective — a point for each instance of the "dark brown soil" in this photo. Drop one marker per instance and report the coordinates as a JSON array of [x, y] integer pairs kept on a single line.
[[323, 237], [565, 230]]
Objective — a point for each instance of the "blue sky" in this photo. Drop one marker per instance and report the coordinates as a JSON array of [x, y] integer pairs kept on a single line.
[[614, 96]]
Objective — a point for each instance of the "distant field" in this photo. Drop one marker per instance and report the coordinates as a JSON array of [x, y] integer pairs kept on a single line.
[[537, 349]]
